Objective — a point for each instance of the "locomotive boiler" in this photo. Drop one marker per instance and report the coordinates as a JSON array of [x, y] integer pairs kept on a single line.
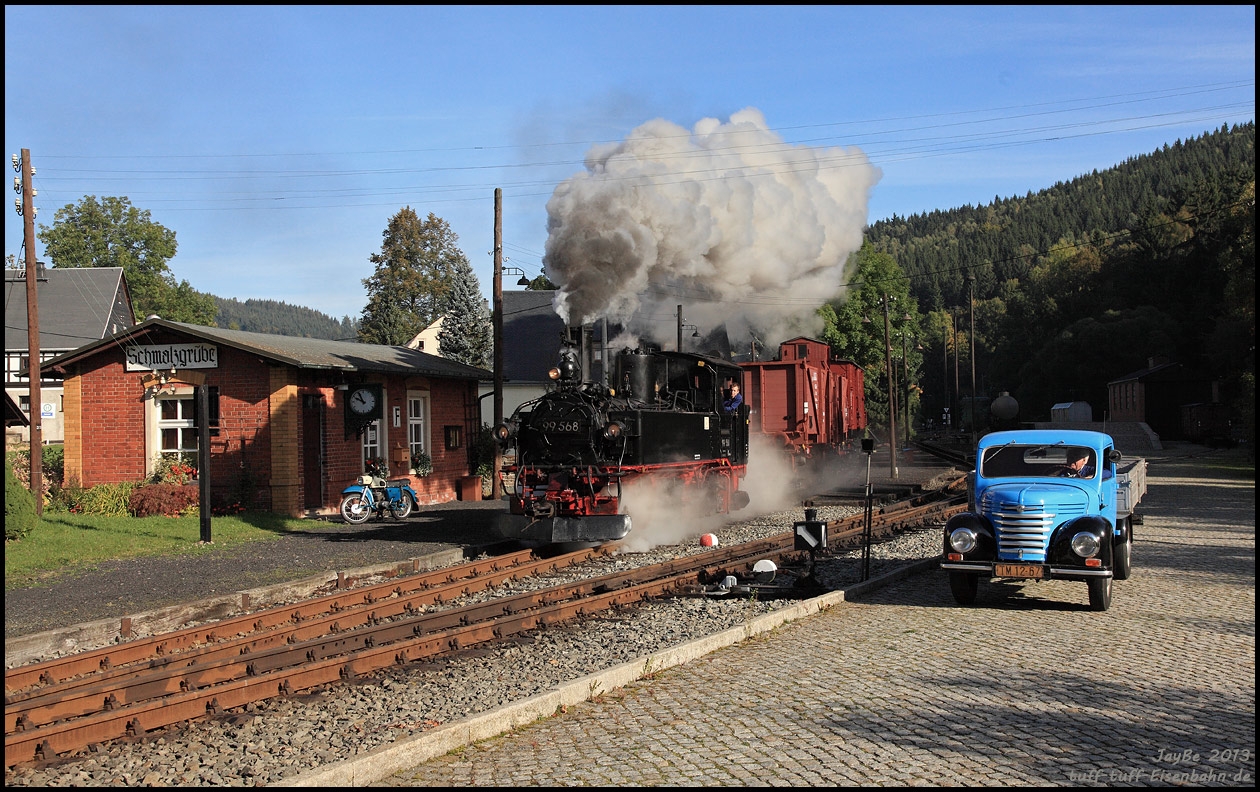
[[660, 420]]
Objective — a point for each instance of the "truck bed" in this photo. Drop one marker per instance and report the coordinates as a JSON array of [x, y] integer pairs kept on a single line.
[[1131, 485]]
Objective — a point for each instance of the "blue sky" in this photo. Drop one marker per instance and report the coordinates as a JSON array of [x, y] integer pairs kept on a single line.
[[278, 141]]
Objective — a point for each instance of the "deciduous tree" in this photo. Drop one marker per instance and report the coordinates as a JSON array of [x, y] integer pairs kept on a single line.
[[113, 233]]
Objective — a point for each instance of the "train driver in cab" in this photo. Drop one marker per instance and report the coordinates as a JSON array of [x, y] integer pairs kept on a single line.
[[731, 405]]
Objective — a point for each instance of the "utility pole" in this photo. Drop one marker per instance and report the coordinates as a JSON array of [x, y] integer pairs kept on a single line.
[[892, 400], [678, 348], [496, 490], [26, 208]]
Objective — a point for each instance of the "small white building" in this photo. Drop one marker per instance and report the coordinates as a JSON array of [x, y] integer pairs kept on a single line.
[[1071, 412], [74, 306]]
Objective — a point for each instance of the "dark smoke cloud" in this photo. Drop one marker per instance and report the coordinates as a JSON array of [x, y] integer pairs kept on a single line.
[[727, 219]]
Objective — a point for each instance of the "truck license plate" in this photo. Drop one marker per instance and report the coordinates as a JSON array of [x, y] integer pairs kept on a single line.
[[1019, 570]]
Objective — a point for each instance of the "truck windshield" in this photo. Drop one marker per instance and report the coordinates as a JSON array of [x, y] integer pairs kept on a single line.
[[1025, 461]]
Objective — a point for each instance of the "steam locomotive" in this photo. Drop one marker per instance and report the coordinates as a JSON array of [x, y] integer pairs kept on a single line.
[[579, 446]]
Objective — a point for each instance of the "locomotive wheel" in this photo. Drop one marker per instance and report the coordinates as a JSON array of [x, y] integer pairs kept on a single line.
[[964, 586], [401, 508], [354, 509], [1099, 593]]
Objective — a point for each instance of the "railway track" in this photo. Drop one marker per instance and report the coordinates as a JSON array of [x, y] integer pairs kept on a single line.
[[135, 688]]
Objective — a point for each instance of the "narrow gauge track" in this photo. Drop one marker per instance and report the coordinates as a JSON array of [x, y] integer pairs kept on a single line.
[[130, 689]]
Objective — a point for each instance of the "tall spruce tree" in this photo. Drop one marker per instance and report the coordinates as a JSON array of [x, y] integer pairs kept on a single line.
[[413, 278], [466, 335]]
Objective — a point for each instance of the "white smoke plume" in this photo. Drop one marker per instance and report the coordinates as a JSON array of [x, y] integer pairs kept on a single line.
[[726, 219]]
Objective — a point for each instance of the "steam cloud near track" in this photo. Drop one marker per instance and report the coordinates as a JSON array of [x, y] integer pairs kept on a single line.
[[726, 218], [658, 516]]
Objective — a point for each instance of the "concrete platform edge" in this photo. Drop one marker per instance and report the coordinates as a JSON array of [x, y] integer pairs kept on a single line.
[[417, 749]]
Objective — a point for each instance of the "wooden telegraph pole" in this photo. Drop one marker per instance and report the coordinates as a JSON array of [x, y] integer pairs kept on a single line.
[[32, 330], [496, 487]]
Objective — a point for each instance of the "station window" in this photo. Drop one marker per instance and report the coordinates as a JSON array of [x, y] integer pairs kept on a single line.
[[177, 429], [372, 442], [417, 424]]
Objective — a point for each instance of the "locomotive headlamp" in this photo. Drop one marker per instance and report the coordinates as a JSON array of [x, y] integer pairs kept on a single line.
[[554, 373], [614, 430], [963, 540], [505, 431], [1085, 544]]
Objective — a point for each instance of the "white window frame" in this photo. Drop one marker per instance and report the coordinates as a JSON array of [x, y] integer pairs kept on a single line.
[[373, 442], [418, 423], [156, 424]]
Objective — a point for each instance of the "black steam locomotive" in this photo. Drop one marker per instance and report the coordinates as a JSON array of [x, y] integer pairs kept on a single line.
[[582, 443]]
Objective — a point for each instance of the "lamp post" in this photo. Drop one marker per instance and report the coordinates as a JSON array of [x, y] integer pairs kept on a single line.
[[905, 386], [971, 285], [953, 322], [892, 399], [945, 370]]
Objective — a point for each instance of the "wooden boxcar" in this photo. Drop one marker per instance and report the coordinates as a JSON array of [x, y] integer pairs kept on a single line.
[[806, 400]]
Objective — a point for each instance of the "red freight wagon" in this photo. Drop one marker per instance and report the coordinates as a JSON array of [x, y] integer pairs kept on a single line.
[[806, 400]]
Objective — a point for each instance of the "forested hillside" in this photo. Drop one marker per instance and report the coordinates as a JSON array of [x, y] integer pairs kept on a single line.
[[1084, 282], [278, 318]]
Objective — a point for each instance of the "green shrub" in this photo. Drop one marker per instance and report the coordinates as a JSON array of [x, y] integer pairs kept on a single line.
[[108, 500], [484, 447], [20, 517], [54, 463]]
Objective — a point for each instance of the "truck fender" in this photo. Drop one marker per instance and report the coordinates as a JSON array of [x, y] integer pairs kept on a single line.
[[986, 543], [1060, 550], [1124, 528]]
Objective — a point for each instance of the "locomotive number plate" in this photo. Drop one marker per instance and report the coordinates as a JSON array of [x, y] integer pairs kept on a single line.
[[1019, 570]]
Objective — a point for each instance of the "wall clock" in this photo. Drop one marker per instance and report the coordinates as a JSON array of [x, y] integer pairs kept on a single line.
[[363, 401]]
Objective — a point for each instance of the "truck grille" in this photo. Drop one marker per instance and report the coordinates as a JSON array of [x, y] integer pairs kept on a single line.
[[1024, 528]]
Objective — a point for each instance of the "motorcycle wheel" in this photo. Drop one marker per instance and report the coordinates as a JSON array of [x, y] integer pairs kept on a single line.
[[401, 508], [354, 509]]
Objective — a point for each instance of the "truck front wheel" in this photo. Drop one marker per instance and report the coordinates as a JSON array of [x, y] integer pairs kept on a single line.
[[1099, 593], [964, 586]]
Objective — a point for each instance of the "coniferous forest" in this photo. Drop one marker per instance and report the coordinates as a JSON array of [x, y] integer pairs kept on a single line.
[[279, 318], [1093, 278]]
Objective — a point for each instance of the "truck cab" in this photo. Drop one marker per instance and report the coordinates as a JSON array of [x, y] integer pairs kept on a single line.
[[1044, 505]]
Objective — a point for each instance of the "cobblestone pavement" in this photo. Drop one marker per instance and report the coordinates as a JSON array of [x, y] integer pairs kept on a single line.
[[1028, 688]]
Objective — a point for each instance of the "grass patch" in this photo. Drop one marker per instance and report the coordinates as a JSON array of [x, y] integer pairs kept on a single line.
[[65, 542]]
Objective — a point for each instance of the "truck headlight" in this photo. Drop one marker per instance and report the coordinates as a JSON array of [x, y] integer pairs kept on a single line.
[[1085, 544], [963, 540]]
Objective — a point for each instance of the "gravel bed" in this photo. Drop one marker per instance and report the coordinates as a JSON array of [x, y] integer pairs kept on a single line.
[[265, 743]]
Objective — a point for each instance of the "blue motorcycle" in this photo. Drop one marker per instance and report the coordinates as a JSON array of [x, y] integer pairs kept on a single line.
[[373, 494]]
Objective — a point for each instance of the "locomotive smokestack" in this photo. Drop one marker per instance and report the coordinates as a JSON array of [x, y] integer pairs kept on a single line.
[[718, 213]]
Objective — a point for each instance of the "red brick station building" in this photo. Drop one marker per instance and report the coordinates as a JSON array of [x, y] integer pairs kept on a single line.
[[297, 417]]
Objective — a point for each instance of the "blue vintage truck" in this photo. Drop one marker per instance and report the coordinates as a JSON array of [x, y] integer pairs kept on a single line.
[[1046, 504]]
